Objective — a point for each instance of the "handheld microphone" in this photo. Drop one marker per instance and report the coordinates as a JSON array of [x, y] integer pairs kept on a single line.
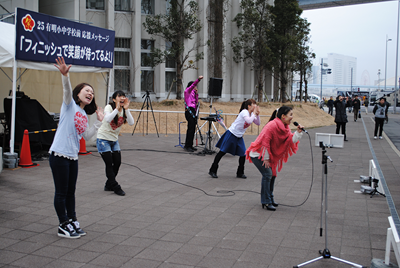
[[296, 124]]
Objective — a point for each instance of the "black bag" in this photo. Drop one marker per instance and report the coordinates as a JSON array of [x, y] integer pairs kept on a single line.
[[359, 114]]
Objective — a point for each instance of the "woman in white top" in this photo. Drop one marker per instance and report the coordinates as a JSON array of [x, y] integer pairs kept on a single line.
[[116, 114], [232, 141], [73, 125]]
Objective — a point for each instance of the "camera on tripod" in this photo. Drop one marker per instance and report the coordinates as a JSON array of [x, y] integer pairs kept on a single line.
[[148, 92], [372, 187]]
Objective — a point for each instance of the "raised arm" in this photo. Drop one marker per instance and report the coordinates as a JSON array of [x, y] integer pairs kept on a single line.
[[192, 86], [64, 70]]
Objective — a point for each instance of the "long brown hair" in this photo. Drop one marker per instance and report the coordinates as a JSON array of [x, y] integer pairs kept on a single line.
[[113, 105], [90, 108]]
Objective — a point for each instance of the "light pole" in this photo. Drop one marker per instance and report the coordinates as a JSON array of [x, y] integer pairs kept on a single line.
[[351, 83], [323, 71], [379, 77], [387, 40], [396, 93]]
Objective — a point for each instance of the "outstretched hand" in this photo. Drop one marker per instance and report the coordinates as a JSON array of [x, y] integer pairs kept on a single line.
[[64, 69], [201, 77], [100, 114]]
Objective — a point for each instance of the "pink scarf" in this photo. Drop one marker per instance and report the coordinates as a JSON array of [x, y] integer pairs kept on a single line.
[[277, 139]]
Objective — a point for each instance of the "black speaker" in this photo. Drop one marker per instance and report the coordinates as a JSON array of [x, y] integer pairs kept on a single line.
[[215, 87]]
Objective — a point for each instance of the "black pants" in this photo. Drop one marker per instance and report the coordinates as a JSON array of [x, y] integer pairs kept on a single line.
[[379, 124], [343, 126], [191, 127], [355, 114], [220, 154], [65, 175], [330, 110], [113, 162]]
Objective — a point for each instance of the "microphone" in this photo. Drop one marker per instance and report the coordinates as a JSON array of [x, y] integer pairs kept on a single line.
[[296, 124]]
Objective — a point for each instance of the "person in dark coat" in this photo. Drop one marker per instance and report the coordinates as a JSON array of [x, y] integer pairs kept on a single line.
[[340, 105], [380, 111], [349, 103], [356, 105], [330, 106]]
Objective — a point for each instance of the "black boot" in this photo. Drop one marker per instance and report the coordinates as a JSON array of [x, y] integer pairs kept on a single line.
[[118, 190], [240, 169], [213, 171], [240, 173]]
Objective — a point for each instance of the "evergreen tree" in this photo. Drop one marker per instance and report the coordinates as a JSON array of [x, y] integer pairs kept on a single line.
[[251, 44]]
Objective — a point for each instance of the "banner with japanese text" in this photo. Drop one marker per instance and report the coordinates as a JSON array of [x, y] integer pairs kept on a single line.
[[43, 38]]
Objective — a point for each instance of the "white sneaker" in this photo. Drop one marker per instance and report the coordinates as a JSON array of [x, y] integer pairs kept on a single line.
[[375, 137], [380, 137], [66, 230]]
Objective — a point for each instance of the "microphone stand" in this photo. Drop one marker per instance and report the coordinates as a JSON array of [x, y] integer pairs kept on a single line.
[[326, 254]]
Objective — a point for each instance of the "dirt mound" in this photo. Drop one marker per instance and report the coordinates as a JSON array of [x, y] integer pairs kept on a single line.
[[169, 113]]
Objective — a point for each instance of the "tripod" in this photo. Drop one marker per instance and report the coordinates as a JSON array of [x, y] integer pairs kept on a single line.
[[375, 191], [146, 101], [209, 137], [326, 254]]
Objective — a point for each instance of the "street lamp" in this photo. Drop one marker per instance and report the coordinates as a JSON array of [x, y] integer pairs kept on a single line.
[[323, 71], [387, 40], [379, 77]]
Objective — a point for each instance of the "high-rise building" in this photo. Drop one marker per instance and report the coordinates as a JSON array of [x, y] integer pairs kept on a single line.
[[344, 70]]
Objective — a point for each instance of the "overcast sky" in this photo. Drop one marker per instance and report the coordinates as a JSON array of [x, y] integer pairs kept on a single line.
[[358, 31]]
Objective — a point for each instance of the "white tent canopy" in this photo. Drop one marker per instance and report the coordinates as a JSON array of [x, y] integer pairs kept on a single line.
[[7, 52], [7, 55]]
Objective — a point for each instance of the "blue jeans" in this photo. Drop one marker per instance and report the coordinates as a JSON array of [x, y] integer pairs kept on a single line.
[[65, 175], [267, 182], [107, 146]]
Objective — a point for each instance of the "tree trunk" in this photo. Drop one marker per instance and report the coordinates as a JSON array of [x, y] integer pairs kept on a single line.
[[260, 86], [301, 86], [283, 85], [276, 89], [178, 80], [305, 89]]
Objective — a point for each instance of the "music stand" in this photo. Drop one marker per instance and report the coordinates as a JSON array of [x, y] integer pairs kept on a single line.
[[326, 254]]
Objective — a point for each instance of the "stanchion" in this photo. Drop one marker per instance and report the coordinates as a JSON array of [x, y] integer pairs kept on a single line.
[[180, 144], [25, 155]]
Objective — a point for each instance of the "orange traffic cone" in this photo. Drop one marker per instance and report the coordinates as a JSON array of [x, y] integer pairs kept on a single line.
[[82, 147], [25, 155]]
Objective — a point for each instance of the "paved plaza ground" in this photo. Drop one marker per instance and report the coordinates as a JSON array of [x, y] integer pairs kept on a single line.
[[175, 215]]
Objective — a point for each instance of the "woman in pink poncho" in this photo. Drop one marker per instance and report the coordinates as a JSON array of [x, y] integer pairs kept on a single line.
[[271, 149]]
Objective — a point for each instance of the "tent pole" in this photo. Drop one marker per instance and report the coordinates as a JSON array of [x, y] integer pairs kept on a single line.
[[13, 100]]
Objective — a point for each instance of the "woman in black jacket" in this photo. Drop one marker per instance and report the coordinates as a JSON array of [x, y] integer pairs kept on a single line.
[[340, 105]]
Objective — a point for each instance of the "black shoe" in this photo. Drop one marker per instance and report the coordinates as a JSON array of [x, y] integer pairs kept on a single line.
[[77, 227], [268, 207], [271, 207], [119, 192], [274, 204], [107, 189], [346, 140], [213, 174], [241, 176], [66, 230], [193, 148], [190, 150]]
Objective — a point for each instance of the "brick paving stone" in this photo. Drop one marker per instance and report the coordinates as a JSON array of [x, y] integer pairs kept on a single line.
[[174, 216]]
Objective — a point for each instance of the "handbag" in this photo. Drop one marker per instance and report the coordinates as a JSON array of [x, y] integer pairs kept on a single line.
[[359, 114]]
